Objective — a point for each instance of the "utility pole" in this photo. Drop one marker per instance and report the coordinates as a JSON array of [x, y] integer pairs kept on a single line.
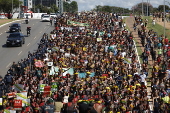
[[142, 7], [147, 7], [164, 18]]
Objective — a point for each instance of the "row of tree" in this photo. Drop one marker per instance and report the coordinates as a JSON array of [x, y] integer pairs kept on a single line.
[[7, 5], [147, 8]]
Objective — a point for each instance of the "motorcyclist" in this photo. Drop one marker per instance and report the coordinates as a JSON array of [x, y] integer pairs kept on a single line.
[[27, 19], [28, 30]]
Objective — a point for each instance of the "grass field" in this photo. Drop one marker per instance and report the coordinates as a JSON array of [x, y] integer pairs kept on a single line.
[[159, 29], [3, 21]]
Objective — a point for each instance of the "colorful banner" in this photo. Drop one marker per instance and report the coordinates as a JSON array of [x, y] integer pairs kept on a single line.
[[9, 111], [18, 87], [73, 23], [23, 96]]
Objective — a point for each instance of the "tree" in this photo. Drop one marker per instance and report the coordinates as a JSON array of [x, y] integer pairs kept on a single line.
[[161, 8], [6, 6], [138, 8], [73, 7], [66, 6]]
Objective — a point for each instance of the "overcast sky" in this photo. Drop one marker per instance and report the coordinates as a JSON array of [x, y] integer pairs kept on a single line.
[[90, 4]]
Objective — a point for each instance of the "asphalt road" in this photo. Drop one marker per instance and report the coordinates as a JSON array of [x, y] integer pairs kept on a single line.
[[8, 55]]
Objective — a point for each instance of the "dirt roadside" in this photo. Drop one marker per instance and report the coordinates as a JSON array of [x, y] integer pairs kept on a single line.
[[3, 21], [129, 21]]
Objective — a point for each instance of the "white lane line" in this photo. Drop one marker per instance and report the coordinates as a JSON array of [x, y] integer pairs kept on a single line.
[[5, 31], [28, 44], [44, 27], [1, 34], [8, 65], [40, 31], [19, 52], [35, 37]]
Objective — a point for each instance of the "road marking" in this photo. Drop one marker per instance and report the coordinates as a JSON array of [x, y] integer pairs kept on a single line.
[[5, 31], [40, 31], [34, 37], [28, 44], [8, 65], [33, 24], [20, 53], [1, 34], [44, 27]]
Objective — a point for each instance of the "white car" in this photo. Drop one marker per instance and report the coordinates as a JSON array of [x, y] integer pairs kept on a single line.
[[3, 17], [53, 15], [46, 18]]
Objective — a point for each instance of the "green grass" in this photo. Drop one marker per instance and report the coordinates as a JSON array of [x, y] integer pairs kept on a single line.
[[157, 28]]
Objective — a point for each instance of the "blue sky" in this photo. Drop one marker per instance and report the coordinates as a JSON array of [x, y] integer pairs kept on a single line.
[[90, 4]]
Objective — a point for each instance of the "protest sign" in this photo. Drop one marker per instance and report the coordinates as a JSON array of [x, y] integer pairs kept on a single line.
[[54, 86], [39, 63], [41, 87], [99, 39], [47, 90], [1, 101], [68, 71], [50, 63], [17, 104]]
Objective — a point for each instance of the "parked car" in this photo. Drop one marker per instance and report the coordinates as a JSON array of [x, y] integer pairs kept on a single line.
[[53, 15], [3, 17], [15, 39], [15, 27], [46, 18]]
